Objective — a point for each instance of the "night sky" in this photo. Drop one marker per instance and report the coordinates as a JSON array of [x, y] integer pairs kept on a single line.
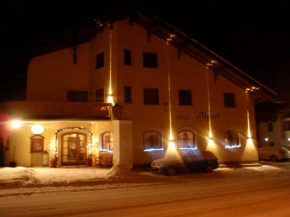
[[252, 35]]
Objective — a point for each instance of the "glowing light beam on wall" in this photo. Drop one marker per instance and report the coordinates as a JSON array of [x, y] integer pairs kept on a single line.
[[249, 134], [210, 142], [110, 92], [250, 142], [171, 146]]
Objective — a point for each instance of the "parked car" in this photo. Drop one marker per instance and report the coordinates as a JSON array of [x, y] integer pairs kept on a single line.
[[189, 160], [273, 153]]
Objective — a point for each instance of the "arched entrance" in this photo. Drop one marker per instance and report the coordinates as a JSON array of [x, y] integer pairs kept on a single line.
[[73, 148]]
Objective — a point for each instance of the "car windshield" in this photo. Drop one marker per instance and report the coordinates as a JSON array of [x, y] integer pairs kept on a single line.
[[192, 155]]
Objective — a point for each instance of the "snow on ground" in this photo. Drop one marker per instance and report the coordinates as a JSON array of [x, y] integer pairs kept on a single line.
[[41, 177], [119, 176], [246, 191]]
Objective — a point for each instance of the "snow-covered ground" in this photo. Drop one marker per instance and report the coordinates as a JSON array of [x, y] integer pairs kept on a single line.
[[250, 191], [22, 179]]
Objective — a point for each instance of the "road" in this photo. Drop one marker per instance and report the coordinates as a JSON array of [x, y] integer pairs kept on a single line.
[[240, 192]]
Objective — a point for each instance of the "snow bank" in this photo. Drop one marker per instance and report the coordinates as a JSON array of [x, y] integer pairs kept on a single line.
[[69, 176], [38, 176], [120, 170], [16, 177]]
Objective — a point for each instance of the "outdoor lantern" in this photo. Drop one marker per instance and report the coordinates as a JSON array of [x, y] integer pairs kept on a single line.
[[45, 159], [117, 111]]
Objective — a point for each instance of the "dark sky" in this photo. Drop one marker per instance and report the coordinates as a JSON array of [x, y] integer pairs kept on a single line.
[[252, 35]]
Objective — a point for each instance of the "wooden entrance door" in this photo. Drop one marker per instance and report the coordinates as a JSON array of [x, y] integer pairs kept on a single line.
[[73, 149]]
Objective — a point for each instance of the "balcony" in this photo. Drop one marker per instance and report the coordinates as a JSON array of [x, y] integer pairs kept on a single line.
[[56, 110]]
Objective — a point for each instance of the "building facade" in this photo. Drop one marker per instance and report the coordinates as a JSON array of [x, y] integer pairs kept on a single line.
[[136, 87], [274, 130]]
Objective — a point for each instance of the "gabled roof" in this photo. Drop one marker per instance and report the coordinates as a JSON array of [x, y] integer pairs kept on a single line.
[[162, 29]]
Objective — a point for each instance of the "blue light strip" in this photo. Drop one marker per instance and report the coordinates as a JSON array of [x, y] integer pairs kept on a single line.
[[187, 148], [107, 150], [153, 149], [232, 146]]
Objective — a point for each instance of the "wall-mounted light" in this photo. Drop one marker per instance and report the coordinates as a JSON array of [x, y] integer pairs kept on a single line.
[[16, 124], [288, 139], [37, 129], [266, 139]]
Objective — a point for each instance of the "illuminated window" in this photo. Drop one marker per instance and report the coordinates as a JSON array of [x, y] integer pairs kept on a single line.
[[77, 96], [152, 140], [232, 138], [270, 127], [107, 141], [127, 94], [151, 96], [127, 57], [150, 60], [287, 125], [100, 95], [186, 140], [229, 100], [184, 97], [100, 60]]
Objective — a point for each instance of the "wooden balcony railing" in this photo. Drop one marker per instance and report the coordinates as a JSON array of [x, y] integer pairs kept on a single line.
[[50, 110]]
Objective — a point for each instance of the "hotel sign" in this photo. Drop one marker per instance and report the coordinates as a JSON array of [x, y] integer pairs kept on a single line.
[[205, 116], [200, 116]]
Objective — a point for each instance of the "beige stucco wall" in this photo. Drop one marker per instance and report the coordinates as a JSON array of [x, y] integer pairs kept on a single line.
[[50, 76], [21, 142], [186, 73]]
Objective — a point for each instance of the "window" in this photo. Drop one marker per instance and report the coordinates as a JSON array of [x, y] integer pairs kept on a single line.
[[152, 140], [270, 127], [287, 125], [127, 94], [127, 57], [186, 140], [184, 97], [150, 60], [77, 96], [229, 100], [107, 141], [232, 139], [100, 95], [100, 60], [271, 144], [151, 96]]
